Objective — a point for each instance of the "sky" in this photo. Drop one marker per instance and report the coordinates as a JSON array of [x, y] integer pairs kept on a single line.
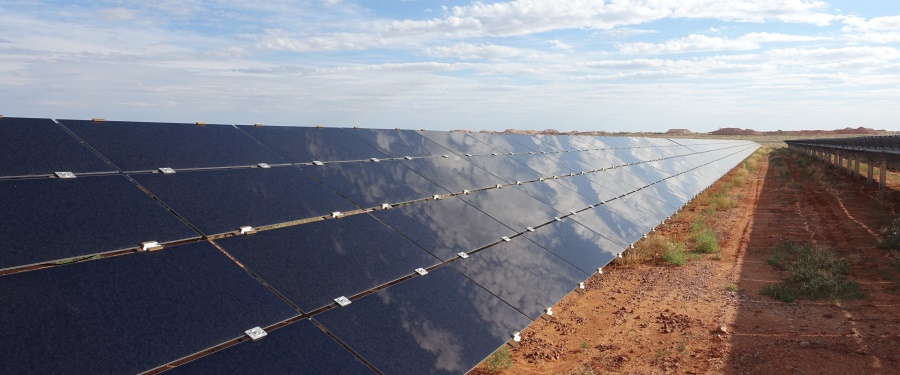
[[613, 65]]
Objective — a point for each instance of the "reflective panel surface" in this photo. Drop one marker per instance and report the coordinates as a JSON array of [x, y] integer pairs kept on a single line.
[[304, 145], [512, 207], [129, 313], [44, 220], [399, 143], [370, 184], [555, 195], [523, 274], [459, 143], [595, 191], [312, 264], [501, 142], [576, 244], [454, 174], [542, 164], [221, 201], [32, 146], [445, 227], [299, 348], [440, 323], [609, 224], [505, 167], [144, 146]]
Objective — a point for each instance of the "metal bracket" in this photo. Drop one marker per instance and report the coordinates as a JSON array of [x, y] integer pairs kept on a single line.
[[505, 238], [530, 229], [256, 333], [572, 174], [64, 174], [336, 214], [247, 230], [466, 192], [541, 179], [463, 255], [316, 162], [374, 159], [557, 218], [342, 301], [495, 154], [445, 155], [517, 337], [619, 255], [531, 153], [151, 246], [518, 182], [581, 286], [166, 170], [421, 271], [600, 270], [550, 311], [200, 123], [573, 212], [408, 157], [264, 165], [436, 197], [385, 206], [97, 119], [592, 206], [499, 186], [511, 153], [468, 154]]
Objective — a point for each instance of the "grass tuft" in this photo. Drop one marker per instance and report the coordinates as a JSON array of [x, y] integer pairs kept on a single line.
[[814, 272], [706, 242], [499, 361]]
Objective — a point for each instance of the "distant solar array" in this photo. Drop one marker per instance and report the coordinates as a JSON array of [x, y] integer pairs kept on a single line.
[[130, 247], [882, 151]]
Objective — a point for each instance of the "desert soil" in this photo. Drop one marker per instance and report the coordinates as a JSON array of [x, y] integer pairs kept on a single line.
[[657, 318]]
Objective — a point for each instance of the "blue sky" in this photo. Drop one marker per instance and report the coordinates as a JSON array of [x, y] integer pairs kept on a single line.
[[642, 65]]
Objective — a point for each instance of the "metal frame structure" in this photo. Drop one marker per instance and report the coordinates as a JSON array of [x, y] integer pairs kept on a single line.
[[848, 153]]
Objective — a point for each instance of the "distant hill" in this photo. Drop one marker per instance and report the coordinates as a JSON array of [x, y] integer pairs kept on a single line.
[[846, 131]]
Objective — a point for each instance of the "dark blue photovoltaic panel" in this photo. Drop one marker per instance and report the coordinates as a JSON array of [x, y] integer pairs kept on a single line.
[[619, 177], [553, 194], [459, 143], [129, 313], [221, 201], [440, 323], [445, 227], [399, 143], [34, 146], [535, 143], [523, 274], [299, 348], [501, 142], [586, 186], [44, 220], [642, 219], [511, 207], [612, 226], [305, 145], [454, 174], [371, 184], [314, 263], [144, 146], [543, 165], [576, 244], [505, 167]]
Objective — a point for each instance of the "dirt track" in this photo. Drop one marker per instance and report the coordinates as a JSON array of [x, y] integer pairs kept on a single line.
[[665, 319]]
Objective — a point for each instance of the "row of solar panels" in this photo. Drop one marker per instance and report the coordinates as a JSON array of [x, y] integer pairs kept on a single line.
[[885, 144], [530, 226]]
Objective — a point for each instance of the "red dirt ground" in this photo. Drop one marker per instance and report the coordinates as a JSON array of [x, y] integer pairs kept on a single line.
[[654, 319]]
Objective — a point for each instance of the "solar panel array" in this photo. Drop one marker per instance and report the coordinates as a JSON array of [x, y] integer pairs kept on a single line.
[[129, 247]]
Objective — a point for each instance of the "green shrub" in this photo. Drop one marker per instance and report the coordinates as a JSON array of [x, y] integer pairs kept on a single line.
[[892, 236], [779, 291], [676, 254], [814, 272], [499, 361], [706, 242]]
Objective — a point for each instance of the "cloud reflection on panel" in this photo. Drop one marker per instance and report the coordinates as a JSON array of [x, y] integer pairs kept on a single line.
[[511, 207], [523, 274], [576, 244], [454, 174], [590, 188], [559, 197], [370, 184], [445, 227], [440, 323], [399, 143], [618, 228]]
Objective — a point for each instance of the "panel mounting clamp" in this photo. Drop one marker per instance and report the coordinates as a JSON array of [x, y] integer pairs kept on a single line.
[[499, 186], [518, 182], [495, 154], [436, 197], [316, 162], [98, 119], [336, 214], [408, 157], [530, 229], [549, 311], [445, 156], [517, 337], [342, 301], [421, 271], [573, 212], [64, 174], [385, 206], [505, 238], [374, 159], [600, 270], [463, 255], [264, 165], [468, 154], [166, 170], [466, 192], [557, 218], [581, 286], [256, 333], [151, 246], [247, 229]]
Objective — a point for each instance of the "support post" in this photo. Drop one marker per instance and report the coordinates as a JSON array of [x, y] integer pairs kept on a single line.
[[883, 182], [856, 173], [871, 174]]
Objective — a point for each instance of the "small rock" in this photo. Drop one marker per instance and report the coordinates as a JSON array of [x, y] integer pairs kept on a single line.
[[721, 330], [804, 344]]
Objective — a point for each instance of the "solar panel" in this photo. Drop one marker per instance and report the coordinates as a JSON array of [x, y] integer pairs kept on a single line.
[[459, 143], [512, 207], [221, 201], [501, 142], [445, 227], [372, 184], [588, 186], [505, 167], [129, 313], [299, 348], [440, 323], [576, 244], [399, 143], [523, 274], [46, 220], [555, 195], [35, 146], [543, 165], [618, 228], [305, 145], [146, 146], [454, 174], [314, 263]]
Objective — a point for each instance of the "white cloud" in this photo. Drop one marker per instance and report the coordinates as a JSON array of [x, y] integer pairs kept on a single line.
[[465, 51], [888, 23], [559, 45], [703, 43]]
